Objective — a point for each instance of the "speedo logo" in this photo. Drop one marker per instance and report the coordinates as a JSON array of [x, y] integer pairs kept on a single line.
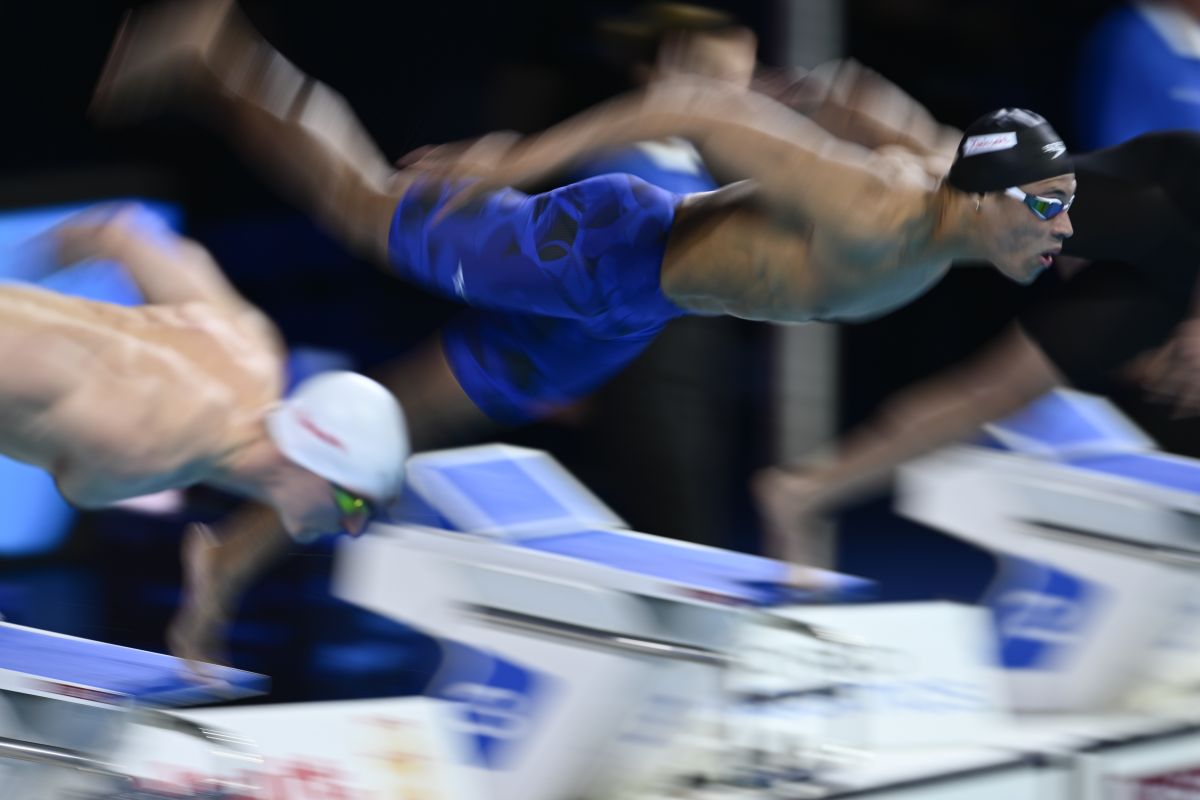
[[460, 282], [1054, 149]]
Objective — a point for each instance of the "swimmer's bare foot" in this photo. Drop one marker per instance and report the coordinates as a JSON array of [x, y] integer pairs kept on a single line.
[[158, 53]]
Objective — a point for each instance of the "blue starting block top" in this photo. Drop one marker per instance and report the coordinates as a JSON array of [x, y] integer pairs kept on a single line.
[[725, 574], [506, 491], [81, 669], [1065, 424], [525, 498], [1158, 469], [1087, 434]]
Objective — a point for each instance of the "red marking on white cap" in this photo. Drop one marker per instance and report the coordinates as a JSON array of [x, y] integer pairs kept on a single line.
[[315, 430]]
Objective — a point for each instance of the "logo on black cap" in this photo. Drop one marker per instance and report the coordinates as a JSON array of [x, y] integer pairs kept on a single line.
[[1055, 149]]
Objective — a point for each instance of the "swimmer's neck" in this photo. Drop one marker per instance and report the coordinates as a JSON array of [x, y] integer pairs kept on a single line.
[[955, 235], [252, 465]]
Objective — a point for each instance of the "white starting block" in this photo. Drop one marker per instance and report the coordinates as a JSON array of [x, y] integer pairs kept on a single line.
[[575, 647], [1098, 534], [67, 703]]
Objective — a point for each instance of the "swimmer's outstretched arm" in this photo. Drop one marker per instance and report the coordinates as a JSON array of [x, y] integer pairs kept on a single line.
[[166, 268], [206, 55], [855, 103], [999, 381], [217, 570], [308, 138], [798, 167]]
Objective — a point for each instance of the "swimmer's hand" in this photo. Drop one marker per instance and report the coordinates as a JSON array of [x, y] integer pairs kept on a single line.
[[791, 503], [1171, 374], [794, 87], [482, 166], [121, 232], [197, 633], [466, 159]]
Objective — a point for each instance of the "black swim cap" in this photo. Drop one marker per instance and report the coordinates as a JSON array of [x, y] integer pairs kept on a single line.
[[1006, 148]]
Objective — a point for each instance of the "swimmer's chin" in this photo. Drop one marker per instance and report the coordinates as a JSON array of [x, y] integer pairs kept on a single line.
[[1030, 272], [1030, 276], [1044, 262]]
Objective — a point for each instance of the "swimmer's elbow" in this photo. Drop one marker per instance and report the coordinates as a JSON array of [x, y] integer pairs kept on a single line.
[[81, 489], [77, 495], [1003, 392]]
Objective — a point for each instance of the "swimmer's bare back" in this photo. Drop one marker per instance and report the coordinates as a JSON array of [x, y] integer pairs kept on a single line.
[[117, 401], [731, 253]]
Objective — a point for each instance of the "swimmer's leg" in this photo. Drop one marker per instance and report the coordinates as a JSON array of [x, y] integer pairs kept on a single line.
[[304, 135]]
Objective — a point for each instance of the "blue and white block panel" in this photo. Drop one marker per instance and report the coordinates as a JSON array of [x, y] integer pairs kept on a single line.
[[50, 664], [530, 503], [703, 573], [508, 492], [1065, 424]]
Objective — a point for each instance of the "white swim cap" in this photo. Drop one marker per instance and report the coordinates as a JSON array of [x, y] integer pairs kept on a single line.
[[347, 429]]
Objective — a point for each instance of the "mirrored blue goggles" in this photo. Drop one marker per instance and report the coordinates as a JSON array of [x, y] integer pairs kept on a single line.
[[1044, 208]]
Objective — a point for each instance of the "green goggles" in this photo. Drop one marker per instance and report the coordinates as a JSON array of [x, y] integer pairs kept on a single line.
[[350, 504], [1044, 208]]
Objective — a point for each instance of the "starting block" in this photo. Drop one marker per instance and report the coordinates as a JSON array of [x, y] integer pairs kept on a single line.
[[1098, 535], [574, 647], [66, 704]]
